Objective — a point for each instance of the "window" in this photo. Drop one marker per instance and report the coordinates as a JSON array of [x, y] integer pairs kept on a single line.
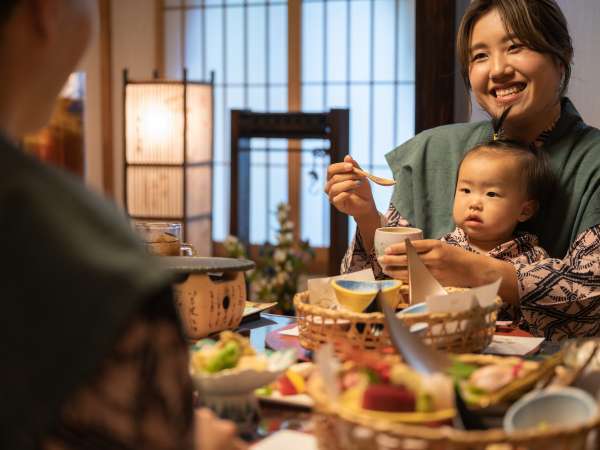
[[356, 54]]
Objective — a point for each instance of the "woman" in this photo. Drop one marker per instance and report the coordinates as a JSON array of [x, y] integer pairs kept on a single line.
[[513, 53]]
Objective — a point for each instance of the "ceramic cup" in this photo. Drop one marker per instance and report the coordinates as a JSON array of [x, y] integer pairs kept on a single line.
[[163, 238], [386, 236], [566, 406]]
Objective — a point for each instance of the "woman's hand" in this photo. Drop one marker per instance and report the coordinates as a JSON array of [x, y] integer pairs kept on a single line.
[[212, 433], [453, 266], [348, 192]]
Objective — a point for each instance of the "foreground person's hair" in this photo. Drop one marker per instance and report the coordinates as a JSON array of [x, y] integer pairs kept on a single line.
[[538, 24], [6, 9]]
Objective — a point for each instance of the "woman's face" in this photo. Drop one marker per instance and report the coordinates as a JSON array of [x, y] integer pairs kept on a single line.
[[504, 72]]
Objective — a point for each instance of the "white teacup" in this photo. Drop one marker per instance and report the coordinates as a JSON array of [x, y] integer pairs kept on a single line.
[[386, 236]]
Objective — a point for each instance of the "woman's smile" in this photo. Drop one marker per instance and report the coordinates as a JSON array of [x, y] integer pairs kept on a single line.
[[508, 94]]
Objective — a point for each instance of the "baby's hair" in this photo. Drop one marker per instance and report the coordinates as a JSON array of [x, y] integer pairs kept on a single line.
[[539, 178]]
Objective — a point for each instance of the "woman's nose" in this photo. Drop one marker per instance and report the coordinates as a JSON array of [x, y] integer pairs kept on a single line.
[[500, 67]]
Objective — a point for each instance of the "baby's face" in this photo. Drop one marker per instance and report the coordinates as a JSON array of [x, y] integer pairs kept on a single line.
[[490, 196]]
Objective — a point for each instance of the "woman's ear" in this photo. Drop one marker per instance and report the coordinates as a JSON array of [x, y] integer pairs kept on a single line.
[[528, 210]]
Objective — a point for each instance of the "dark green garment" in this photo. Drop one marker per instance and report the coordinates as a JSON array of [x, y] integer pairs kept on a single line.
[[425, 170], [73, 275]]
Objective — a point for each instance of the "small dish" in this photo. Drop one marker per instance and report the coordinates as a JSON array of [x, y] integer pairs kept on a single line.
[[230, 392], [550, 408], [418, 308], [358, 295]]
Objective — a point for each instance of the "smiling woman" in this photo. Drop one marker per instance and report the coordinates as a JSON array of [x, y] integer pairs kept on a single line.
[[513, 53], [508, 61]]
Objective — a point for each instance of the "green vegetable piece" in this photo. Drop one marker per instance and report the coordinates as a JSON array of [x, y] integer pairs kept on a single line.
[[373, 376], [472, 394], [264, 391], [424, 402], [461, 371], [226, 358]]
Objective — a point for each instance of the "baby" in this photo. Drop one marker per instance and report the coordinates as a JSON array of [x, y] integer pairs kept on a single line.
[[500, 184]]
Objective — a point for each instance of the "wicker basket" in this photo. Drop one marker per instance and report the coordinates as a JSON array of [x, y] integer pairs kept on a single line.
[[336, 429], [464, 332]]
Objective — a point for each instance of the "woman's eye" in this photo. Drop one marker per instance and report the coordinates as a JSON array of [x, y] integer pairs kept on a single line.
[[478, 56], [515, 47]]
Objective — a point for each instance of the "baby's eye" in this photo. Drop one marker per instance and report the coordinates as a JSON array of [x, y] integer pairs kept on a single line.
[[492, 194], [465, 190]]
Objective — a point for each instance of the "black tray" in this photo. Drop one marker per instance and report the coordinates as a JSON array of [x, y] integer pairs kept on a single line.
[[203, 264]]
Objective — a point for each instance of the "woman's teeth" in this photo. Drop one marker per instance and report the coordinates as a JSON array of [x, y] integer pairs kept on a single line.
[[509, 91]]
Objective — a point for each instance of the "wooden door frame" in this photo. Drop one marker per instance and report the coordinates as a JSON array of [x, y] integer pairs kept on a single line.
[[106, 103], [435, 56]]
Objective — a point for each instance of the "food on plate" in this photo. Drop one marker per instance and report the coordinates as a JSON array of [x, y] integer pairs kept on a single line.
[[381, 387], [231, 351], [487, 379], [291, 382]]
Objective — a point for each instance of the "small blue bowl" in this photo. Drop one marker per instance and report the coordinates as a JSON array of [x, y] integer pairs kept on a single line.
[[357, 295], [418, 308]]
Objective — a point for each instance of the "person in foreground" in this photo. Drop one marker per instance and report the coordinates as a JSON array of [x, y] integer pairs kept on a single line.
[[92, 355], [515, 53]]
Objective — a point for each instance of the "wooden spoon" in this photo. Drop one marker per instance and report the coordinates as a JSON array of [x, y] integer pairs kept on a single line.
[[374, 178]]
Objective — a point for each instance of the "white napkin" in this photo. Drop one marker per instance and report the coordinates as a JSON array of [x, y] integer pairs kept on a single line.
[[294, 331], [513, 345], [464, 300], [421, 282]]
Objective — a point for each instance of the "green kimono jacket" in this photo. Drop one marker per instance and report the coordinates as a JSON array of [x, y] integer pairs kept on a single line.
[[425, 169]]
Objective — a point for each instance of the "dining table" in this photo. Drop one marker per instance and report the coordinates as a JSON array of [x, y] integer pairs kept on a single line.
[[263, 332]]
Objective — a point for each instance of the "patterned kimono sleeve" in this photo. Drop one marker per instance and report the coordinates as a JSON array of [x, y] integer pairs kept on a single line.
[[357, 258], [560, 298], [141, 396]]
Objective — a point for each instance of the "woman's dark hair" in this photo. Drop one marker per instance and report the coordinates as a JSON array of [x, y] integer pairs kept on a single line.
[[6, 9], [538, 24]]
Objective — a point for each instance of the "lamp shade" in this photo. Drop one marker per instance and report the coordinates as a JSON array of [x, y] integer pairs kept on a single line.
[[168, 154]]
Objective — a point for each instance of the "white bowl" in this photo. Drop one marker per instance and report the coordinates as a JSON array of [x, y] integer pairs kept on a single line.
[[235, 381], [566, 406]]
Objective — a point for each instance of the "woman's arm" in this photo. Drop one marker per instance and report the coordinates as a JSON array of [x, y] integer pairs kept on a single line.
[[360, 255], [560, 298]]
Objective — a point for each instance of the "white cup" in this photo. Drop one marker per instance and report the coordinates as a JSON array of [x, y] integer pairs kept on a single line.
[[386, 236]]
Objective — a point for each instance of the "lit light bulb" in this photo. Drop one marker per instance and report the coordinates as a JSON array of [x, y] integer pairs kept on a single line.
[[155, 123]]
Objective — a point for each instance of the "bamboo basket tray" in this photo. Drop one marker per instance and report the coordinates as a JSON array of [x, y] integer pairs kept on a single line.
[[464, 332], [336, 429]]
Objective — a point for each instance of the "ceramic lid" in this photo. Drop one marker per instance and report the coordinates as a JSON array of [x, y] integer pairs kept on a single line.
[[202, 264]]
